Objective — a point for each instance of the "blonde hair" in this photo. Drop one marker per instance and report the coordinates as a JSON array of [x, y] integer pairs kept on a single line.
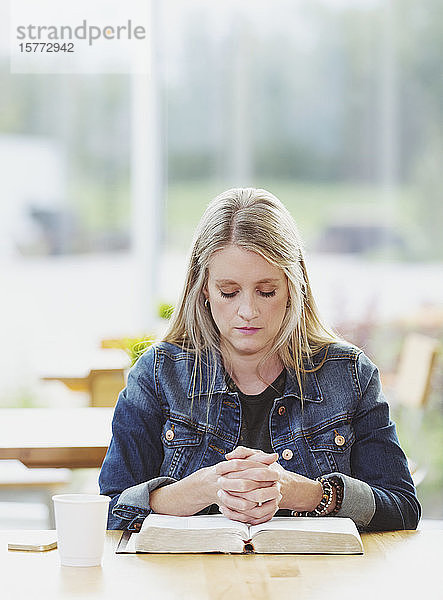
[[255, 220]]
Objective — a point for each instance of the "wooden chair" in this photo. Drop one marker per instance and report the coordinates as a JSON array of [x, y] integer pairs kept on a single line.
[[410, 387], [413, 377]]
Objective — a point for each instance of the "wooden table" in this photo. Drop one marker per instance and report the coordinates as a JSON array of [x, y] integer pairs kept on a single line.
[[46, 437], [404, 565], [102, 385]]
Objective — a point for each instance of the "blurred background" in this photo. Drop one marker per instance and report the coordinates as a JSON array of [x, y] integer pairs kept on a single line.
[[335, 106]]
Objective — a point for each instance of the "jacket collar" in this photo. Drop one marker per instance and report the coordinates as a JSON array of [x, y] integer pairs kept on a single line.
[[205, 372], [311, 388]]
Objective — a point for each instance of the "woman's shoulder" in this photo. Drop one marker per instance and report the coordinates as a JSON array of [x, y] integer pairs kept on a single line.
[[341, 353], [171, 364], [339, 350], [161, 359], [171, 351], [162, 351]]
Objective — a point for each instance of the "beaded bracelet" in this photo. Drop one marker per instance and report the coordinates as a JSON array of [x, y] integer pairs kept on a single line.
[[324, 504], [337, 483]]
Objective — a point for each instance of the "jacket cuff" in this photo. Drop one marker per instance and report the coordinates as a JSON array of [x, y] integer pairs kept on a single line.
[[358, 500], [133, 503]]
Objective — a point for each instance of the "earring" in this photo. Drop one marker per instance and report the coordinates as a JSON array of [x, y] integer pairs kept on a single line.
[[207, 304]]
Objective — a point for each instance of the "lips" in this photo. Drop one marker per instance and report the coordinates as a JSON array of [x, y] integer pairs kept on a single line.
[[248, 330]]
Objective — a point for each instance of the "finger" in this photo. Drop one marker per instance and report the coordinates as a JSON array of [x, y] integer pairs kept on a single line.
[[263, 519], [237, 503], [257, 485], [257, 497], [259, 514], [238, 485], [241, 452], [259, 455], [263, 494], [236, 465], [256, 473], [234, 515], [252, 509], [265, 458], [246, 483], [264, 511]]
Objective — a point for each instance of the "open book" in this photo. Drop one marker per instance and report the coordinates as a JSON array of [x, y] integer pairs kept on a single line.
[[280, 535]]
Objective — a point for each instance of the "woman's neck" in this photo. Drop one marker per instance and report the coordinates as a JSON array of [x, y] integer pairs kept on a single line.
[[243, 371]]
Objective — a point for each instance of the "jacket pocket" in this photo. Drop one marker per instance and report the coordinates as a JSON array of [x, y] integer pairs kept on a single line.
[[176, 433], [181, 445], [331, 447]]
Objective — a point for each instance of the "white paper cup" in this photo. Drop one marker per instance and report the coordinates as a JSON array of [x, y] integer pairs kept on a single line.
[[81, 525]]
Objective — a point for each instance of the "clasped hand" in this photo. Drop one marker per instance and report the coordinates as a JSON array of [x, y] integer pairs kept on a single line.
[[249, 485]]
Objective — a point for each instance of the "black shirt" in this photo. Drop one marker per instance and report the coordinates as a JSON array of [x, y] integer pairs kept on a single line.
[[254, 431]]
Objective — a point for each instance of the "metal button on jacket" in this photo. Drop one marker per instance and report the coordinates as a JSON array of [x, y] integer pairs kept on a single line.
[[281, 410], [287, 454], [339, 440], [169, 435]]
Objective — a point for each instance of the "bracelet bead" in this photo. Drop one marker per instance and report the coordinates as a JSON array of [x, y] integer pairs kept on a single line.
[[339, 492]]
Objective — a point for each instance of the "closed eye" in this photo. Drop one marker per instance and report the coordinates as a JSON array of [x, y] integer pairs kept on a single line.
[[263, 294], [267, 294]]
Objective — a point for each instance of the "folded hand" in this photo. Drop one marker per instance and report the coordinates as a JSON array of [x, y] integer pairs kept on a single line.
[[249, 485]]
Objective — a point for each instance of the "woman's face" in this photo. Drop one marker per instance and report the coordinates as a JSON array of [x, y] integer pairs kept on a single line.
[[248, 298]]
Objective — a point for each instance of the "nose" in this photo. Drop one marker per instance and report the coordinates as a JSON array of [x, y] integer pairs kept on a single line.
[[247, 309]]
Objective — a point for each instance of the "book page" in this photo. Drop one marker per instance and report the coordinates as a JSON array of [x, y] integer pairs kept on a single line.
[[196, 522], [307, 535], [320, 524], [200, 533]]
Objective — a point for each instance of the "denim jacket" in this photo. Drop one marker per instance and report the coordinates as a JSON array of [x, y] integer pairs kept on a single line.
[[164, 429]]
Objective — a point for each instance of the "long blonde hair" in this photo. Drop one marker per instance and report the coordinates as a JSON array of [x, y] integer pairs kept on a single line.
[[255, 220]]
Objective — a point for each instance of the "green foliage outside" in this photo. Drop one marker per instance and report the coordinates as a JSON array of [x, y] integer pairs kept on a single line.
[[135, 347], [165, 311]]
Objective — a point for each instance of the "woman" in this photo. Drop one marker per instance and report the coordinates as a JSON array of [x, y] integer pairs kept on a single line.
[[250, 405]]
